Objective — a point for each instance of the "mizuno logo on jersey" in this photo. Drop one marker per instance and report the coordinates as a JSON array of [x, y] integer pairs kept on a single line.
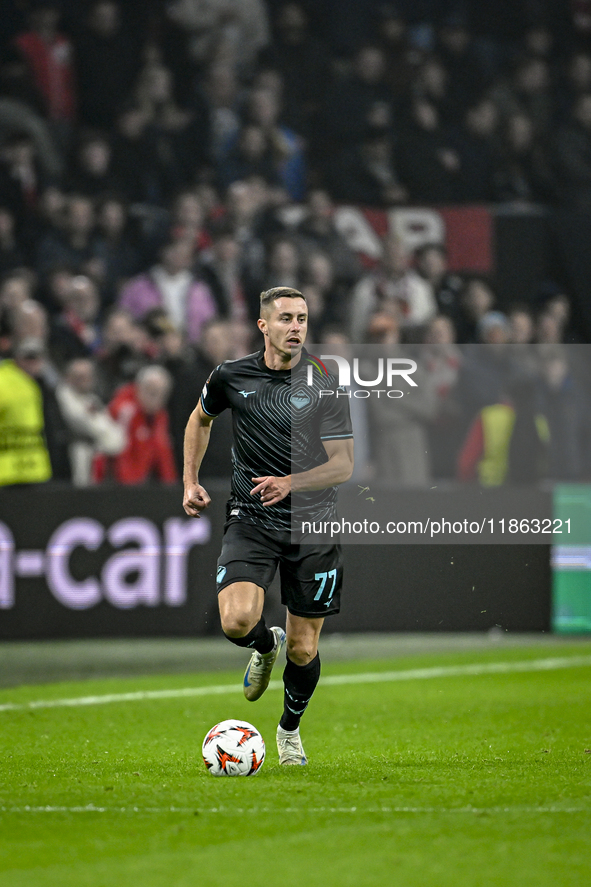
[[246, 393]]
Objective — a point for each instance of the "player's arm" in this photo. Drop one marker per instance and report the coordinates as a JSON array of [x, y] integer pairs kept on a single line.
[[336, 470], [197, 432]]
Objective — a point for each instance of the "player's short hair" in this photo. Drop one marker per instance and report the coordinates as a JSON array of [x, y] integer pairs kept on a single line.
[[278, 292]]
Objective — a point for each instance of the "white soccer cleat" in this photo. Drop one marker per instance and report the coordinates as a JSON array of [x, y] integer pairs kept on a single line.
[[290, 748], [258, 671]]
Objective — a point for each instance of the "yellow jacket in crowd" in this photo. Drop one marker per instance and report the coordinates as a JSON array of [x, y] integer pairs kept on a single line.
[[23, 455]]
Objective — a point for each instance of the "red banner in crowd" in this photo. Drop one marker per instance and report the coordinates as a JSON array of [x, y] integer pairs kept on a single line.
[[466, 232]]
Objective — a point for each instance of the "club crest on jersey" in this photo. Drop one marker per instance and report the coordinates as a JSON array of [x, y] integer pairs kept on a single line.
[[300, 401]]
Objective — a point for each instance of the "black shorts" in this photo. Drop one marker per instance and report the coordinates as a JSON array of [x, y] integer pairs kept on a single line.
[[311, 575]]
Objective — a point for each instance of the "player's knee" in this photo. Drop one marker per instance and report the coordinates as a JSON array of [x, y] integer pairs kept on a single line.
[[236, 625], [300, 652]]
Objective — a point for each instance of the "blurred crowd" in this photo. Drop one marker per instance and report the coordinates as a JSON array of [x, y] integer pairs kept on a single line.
[[161, 163]]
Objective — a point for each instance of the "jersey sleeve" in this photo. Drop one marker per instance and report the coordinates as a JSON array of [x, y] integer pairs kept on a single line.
[[213, 396], [335, 420]]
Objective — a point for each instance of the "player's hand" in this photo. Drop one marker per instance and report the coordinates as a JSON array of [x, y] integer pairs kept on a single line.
[[196, 498], [271, 489]]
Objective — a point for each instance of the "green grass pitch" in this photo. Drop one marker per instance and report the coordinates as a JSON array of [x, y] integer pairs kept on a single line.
[[446, 779]]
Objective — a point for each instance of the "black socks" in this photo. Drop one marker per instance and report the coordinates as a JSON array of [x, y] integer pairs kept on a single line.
[[260, 638], [299, 682]]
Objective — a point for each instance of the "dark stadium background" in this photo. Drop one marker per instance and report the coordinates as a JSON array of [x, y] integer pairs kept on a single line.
[[161, 163]]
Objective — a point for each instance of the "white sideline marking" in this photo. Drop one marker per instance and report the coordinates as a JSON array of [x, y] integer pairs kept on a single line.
[[411, 674], [91, 808]]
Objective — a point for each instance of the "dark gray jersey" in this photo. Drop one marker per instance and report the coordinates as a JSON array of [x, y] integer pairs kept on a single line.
[[280, 422]]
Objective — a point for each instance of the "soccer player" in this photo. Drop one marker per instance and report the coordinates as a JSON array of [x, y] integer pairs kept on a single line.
[[286, 416]]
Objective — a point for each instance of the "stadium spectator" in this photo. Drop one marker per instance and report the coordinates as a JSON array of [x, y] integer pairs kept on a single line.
[[248, 210], [75, 332], [16, 81], [175, 140], [73, 243], [106, 63], [12, 252], [92, 428], [482, 382], [29, 320], [218, 343], [431, 85], [431, 264], [506, 440], [21, 180], [565, 407], [54, 287], [121, 354], [188, 221], [558, 305], [477, 298], [484, 455], [23, 455], [528, 93], [539, 40], [475, 146], [384, 326], [284, 265], [455, 48], [522, 172], [15, 288], [219, 97], [222, 271], [575, 81], [493, 328], [398, 428], [394, 285], [30, 355], [49, 56], [119, 256], [135, 161], [172, 285], [365, 172], [302, 60], [51, 210], [549, 329], [426, 160], [325, 297], [140, 409], [252, 154], [401, 57], [521, 325], [497, 33], [91, 172], [233, 31], [358, 102], [287, 147], [442, 360], [572, 156], [318, 231]]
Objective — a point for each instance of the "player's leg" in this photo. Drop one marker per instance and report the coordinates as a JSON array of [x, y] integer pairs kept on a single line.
[[311, 584], [241, 609], [243, 623], [300, 677]]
